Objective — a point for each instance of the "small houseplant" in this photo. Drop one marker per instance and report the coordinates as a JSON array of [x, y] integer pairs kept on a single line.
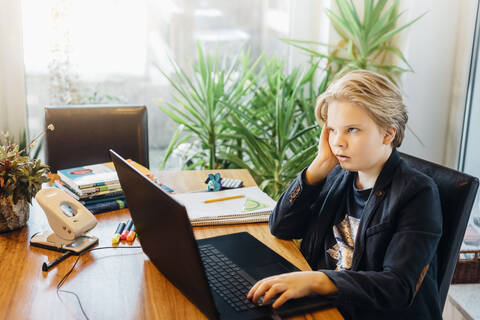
[[20, 179]]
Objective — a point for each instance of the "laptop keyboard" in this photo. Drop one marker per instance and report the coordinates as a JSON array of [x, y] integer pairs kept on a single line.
[[226, 278]]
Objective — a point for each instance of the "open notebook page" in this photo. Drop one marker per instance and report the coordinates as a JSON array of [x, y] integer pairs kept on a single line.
[[253, 203]]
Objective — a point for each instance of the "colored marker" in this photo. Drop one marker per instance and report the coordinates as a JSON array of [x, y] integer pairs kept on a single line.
[[116, 236], [126, 230], [131, 234]]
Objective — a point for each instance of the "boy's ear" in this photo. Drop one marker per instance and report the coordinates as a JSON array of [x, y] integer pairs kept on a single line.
[[389, 135]]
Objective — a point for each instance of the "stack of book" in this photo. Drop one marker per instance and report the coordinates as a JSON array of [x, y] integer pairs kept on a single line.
[[95, 186]]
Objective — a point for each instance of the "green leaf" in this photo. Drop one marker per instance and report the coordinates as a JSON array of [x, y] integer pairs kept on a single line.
[[174, 143], [385, 37], [318, 54], [341, 26], [367, 13], [398, 53], [377, 10], [384, 23]]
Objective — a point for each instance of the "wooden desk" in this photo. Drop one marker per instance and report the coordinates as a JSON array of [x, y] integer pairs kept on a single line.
[[111, 283]]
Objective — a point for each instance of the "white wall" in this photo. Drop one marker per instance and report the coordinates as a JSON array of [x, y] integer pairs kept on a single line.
[[438, 47], [308, 21]]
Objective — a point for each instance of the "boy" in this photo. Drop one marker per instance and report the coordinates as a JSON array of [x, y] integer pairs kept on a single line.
[[370, 223]]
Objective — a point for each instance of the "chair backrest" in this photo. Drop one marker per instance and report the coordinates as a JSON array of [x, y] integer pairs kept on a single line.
[[457, 195], [84, 134]]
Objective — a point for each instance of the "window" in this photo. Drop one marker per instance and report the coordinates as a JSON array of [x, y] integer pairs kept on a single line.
[[470, 153], [109, 51]]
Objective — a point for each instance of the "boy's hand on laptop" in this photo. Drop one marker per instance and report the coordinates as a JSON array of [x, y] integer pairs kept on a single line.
[[291, 286], [324, 162]]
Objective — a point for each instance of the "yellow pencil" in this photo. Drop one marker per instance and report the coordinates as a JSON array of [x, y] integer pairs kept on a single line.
[[222, 199]]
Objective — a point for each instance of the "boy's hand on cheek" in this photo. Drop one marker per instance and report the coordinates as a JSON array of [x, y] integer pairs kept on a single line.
[[290, 286], [324, 162]]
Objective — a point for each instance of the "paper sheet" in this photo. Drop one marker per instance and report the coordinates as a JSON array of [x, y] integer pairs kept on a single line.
[[254, 202]]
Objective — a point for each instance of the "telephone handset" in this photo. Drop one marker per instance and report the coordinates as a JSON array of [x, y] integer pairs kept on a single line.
[[69, 220]]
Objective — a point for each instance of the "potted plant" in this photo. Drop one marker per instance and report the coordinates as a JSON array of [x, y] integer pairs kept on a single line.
[[202, 97], [20, 179]]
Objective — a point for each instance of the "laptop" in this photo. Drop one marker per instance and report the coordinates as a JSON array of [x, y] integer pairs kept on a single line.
[[216, 273]]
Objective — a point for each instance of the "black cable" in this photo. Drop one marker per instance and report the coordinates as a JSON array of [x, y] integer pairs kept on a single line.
[[65, 277]]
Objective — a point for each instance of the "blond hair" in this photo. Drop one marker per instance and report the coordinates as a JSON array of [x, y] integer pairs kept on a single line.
[[379, 97]]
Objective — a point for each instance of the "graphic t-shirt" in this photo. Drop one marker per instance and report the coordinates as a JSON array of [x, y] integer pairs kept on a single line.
[[345, 231]]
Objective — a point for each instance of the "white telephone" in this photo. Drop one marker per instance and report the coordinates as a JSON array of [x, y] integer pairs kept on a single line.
[[69, 220]]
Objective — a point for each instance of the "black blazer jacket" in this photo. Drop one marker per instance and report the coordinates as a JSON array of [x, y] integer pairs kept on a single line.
[[393, 274]]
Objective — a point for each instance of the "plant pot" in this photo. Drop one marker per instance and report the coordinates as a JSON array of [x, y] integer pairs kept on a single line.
[[13, 216]]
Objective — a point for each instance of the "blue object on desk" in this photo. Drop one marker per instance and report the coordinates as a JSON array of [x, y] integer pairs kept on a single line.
[[106, 206], [214, 183]]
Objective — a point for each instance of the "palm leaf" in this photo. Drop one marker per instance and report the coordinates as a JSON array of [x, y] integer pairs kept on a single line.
[[387, 36]]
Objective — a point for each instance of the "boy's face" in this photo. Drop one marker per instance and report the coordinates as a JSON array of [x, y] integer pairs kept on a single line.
[[355, 139]]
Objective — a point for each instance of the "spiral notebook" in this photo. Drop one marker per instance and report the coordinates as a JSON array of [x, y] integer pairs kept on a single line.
[[251, 205]]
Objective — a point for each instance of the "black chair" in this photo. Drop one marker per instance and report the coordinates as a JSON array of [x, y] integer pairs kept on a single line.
[[84, 134], [457, 195]]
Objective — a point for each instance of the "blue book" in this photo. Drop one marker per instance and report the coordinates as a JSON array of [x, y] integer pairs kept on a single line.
[[106, 206], [89, 202]]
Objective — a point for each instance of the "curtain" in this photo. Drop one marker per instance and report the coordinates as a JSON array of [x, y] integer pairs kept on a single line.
[[12, 77]]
